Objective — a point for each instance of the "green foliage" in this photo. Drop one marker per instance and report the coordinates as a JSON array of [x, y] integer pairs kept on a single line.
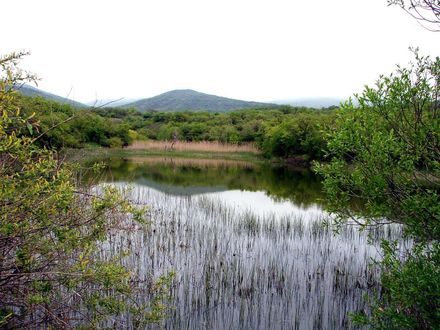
[[31, 91], [385, 153], [411, 297], [114, 142], [60, 125], [300, 135], [51, 233], [181, 100], [280, 132]]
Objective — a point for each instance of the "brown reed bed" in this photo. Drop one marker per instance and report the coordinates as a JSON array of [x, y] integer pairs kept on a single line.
[[200, 146], [198, 162]]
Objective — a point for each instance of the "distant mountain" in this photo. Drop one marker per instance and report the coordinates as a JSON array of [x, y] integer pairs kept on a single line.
[[181, 100], [28, 90], [318, 102], [187, 99]]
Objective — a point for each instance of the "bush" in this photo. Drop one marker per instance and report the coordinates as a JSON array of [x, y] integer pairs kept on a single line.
[[114, 142], [300, 135], [50, 236], [411, 290], [386, 154]]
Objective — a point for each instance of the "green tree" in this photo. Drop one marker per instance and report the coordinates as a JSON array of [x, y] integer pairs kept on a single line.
[[301, 135], [50, 233], [385, 153]]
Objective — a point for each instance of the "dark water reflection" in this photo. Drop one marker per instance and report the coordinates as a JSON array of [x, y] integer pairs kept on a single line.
[[186, 177]]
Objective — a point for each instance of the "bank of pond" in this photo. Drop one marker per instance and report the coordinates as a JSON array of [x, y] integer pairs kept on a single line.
[[278, 131]]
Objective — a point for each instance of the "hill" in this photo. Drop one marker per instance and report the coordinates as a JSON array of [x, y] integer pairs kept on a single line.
[[187, 99], [28, 90]]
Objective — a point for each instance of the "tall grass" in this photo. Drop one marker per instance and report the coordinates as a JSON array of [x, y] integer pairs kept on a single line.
[[194, 162], [202, 146], [241, 269]]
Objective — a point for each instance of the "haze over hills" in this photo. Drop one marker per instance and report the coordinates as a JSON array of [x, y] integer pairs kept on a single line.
[[316, 102], [110, 103], [182, 100], [28, 90], [187, 99]]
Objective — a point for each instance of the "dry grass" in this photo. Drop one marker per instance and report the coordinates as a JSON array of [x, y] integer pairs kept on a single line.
[[202, 163], [203, 146]]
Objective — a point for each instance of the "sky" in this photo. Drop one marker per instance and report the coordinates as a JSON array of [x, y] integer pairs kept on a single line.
[[252, 50]]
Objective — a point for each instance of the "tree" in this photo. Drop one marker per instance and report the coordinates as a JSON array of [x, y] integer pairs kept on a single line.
[[51, 231], [385, 153], [426, 12], [296, 136]]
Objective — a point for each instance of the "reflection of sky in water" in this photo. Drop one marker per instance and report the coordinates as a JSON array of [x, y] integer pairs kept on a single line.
[[259, 203]]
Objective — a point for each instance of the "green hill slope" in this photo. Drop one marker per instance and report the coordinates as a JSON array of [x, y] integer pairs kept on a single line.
[[187, 99], [31, 91]]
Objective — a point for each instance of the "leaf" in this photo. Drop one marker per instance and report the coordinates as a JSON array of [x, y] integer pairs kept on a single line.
[[30, 128]]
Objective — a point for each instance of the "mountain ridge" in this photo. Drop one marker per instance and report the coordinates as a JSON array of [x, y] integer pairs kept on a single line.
[[31, 91], [182, 100], [188, 99]]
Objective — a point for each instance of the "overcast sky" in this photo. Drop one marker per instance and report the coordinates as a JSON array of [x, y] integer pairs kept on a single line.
[[251, 50]]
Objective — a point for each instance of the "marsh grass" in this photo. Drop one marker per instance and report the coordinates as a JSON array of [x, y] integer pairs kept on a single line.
[[193, 162], [240, 269], [202, 146], [91, 155]]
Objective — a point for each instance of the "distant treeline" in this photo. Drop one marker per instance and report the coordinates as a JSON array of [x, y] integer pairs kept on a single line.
[[67, 127], [279, 132]]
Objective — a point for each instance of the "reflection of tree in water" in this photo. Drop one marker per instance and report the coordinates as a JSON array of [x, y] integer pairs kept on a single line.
[[301, 187]]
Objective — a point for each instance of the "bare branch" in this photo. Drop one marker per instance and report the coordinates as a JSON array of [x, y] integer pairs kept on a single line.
[[426, 12]]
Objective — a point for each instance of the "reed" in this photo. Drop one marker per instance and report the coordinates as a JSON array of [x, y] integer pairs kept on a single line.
[[199, 146], [240, 269], [194, 162]]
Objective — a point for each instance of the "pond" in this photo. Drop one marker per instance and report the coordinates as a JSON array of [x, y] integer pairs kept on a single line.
[[248, 242]]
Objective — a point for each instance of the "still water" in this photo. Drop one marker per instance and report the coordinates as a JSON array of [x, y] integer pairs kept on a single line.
[[248, 243]]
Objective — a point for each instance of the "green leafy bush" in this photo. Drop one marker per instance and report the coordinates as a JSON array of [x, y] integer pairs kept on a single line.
[[51, 231], [385, 153]]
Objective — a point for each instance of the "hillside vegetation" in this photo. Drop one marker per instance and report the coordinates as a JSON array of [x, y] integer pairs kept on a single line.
[[278, 132], [53, 274], [187, 99], [28, 90], [56, 125]]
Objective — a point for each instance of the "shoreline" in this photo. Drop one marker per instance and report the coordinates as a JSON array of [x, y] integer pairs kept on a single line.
[[76, 155]]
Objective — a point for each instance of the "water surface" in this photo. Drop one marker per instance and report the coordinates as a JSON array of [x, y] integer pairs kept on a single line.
[[247, 242], [180, 176]]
